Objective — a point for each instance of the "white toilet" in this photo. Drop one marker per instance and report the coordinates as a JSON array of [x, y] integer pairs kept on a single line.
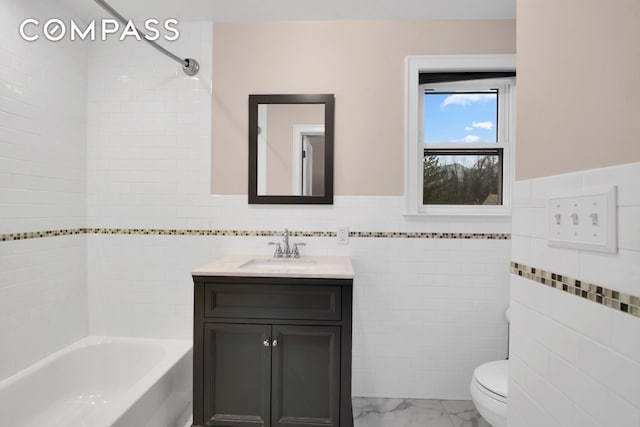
[[489, 387], [489, 392]]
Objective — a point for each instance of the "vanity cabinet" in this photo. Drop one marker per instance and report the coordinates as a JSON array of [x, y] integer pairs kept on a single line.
[[272, 351]]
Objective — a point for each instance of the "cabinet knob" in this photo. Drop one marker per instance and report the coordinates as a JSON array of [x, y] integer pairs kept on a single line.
[[266, 342], [275, 342]]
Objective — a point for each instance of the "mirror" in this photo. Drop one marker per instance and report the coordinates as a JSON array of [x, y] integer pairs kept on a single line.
[[291, 149]]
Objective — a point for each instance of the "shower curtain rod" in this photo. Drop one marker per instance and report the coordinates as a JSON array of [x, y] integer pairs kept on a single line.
[[189, 65]]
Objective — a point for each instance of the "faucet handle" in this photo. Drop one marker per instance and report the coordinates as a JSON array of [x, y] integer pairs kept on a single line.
[[295, 252], [278, 252]]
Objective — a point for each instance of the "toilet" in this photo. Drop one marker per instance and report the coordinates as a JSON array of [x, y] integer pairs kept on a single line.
[[489, 387], [489, 391]]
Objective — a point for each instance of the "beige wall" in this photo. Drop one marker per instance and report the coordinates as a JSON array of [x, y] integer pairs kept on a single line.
[[361, 62], [578, 85]]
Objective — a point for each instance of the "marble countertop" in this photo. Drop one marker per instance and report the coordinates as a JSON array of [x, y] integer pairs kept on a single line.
[[323, 267]]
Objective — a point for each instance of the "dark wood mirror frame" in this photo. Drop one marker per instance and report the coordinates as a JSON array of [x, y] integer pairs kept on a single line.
[[328, 100]]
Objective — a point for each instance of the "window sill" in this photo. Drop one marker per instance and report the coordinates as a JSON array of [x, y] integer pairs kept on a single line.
[[449, 211]]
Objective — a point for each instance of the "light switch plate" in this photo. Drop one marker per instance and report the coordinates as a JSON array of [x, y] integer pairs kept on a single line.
[[343, 235], [584, 219]]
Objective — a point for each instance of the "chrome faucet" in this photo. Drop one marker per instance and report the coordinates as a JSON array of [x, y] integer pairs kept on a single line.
[[285, 240], [287, 251]]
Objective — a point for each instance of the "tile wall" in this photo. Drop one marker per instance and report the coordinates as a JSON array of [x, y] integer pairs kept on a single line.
[[148, 156], [427, 311], [43, 94], [574, 361]]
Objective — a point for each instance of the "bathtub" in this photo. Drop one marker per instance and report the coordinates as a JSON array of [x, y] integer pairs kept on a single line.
[[100, 382]]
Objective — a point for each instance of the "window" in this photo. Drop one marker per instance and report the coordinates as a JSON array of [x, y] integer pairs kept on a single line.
[[459, 135], [463, 143]]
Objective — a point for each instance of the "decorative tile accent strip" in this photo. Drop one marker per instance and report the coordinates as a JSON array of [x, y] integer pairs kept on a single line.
[[277, 233], [620, 301], [251, 233], [421, 235], [40, 234], [205, 232]]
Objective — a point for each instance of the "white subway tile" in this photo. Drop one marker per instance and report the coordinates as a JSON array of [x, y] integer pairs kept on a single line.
[[520, 249], [521, 192], [624, 377], [581, 315], [582, 419], [531, 294], [530, 222], [617, 411], [556, 405], [629, 228], [587, 393], [536, 355], [558, 260], [523, 411], [625, 335], [625, 177], [542, 188], [620, 271], [44, 180]]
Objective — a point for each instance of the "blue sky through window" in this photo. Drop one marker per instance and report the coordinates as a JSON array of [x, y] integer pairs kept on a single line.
[[460, 117]]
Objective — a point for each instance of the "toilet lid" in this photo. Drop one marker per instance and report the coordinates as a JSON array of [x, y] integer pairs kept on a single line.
[[494, 377]]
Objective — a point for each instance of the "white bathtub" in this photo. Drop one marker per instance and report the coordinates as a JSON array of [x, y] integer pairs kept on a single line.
[[100, 382]]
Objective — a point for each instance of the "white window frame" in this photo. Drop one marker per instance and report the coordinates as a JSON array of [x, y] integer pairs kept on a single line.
[[414, 146]]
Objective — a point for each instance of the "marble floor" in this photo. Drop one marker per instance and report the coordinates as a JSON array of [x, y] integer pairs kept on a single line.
[[382, 412], [378, 412]]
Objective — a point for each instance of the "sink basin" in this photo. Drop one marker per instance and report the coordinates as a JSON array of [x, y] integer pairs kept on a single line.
[[279, 264], [313, 267]]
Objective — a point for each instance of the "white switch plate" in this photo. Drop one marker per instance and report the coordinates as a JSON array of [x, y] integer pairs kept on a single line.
[[343, 235], [584, 219]]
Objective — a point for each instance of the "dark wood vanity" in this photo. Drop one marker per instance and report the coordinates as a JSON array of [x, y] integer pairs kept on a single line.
[[272, 351]]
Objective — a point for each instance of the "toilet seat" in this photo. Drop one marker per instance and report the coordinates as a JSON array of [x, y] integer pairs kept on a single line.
[[489, 391], [488, 394], [493, 379]]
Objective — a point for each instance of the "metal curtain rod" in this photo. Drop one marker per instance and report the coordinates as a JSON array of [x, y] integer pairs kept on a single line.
[[189, 65]]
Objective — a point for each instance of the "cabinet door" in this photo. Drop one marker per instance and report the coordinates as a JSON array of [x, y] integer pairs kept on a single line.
[[237, 371], [305, 376]]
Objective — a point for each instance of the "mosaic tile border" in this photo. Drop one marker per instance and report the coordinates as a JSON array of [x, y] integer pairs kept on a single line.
[[616, 300], [250, 233], [421, 235], [40, 234]]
